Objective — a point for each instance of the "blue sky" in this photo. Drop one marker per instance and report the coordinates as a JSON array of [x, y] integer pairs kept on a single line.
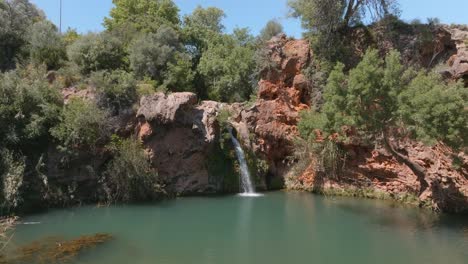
[[87, 15]]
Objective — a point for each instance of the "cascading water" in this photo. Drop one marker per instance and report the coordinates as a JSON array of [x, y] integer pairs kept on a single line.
[[246, 181]]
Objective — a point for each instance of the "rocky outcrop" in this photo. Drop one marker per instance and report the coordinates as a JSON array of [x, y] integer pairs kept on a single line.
[[458, 63], [272, 119], [71, 92], [378, 173], [180, 137]]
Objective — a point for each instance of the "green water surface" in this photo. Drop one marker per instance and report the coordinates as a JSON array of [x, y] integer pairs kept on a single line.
[[279, 227]]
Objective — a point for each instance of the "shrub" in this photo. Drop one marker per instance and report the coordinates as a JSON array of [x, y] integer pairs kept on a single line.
[[11, 172], [28, 108], [46, 45], [227, 68], [116, 90], [70, 36], [82, 125], [15, 19], [94, 52], [435, 110], [129, 176], [142, 15], [271, 29], [159, 56], [69, 75]]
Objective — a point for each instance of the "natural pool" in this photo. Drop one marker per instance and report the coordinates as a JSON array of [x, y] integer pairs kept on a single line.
[[279, 227]]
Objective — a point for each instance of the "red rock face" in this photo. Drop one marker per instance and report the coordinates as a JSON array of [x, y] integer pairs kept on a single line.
[[180, 136], [378, 170], [458, 63], [281, 96]]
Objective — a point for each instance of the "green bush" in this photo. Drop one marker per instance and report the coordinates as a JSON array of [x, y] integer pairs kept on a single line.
[[271, 29], [15, 19], [129, 176], [142, 15], [227, 68], [29, 106], [46, 45], [435, 110], [160, 57], [115, 90], [83, 125], [95, 52], [11, 171], [69, 75]]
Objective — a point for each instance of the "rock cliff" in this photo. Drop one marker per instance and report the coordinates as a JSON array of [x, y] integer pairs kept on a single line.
[[269, 126], [180, 136]]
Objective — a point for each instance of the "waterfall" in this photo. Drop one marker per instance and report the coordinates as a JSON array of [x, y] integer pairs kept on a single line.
[[246, 181]]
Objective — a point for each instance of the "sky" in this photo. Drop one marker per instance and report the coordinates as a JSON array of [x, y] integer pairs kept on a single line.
[[87, 15]]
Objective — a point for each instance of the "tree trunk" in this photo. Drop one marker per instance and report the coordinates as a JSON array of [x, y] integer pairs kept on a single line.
[[348, 14], [353, 7], [418, 170]]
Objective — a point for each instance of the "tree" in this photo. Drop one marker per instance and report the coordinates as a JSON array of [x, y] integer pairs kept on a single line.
[[46, 45], [326, 16], [160, 56], [95, 52], [436, 111], [199, 28], [28, 108], [271, 29], [82, 126], [328, 21], [379, 96], [129, 176], [70, 36], [142, 15], [16, 16], [227, 67], [116, 90]]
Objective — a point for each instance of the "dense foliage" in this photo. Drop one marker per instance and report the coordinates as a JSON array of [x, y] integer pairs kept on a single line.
[[148, 47], [328, 21], [160, 57], [227, 67], [29, 107], [380, 94], [129, 176], [142, 15], [46, 45], [271, 29], [380, 100], [16, 16], [116, 90], [95, 52], [82, 125]]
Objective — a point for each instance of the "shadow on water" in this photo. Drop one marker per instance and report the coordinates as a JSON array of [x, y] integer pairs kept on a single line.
[[392, 215]]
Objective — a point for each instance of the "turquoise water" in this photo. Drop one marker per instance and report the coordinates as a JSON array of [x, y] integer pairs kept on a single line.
[[276, 228]]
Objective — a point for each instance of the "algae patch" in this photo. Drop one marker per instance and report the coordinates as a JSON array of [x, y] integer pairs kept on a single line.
[[54, 250]]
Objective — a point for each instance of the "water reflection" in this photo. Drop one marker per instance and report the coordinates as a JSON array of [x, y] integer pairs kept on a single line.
[[277, 228]]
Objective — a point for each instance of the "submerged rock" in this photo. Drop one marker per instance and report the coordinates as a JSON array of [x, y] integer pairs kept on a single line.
[[55, 250]]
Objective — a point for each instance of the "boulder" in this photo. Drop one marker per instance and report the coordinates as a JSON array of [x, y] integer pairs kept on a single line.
[[180, 137]]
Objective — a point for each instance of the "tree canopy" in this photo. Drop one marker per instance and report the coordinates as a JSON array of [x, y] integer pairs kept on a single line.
[[16, 16], [143, 15], [271, 29]]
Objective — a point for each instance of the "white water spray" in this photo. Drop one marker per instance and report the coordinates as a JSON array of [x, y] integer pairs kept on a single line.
[[246, 181]]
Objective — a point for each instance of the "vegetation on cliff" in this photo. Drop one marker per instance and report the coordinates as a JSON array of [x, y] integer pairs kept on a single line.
[[148, 47]]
